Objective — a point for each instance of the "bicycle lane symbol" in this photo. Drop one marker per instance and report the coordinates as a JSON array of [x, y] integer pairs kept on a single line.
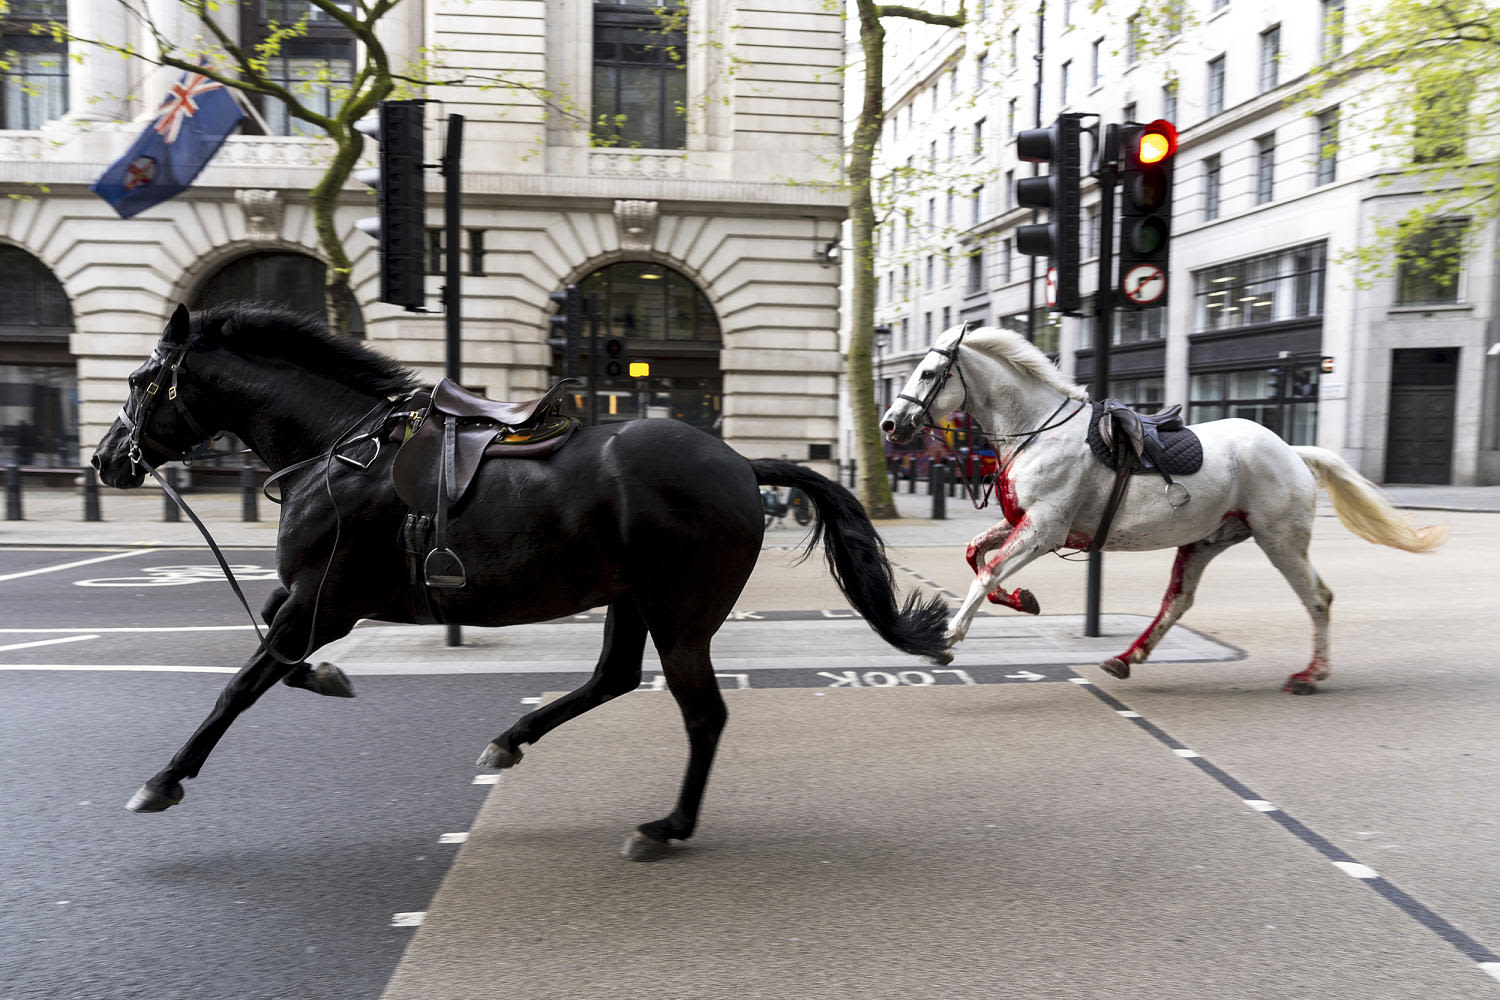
[[178, 576]]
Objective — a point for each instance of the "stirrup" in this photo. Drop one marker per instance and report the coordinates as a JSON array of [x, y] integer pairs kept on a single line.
[[444, 570], [1171, 497]]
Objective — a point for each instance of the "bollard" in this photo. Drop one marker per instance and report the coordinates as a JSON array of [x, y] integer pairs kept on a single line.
[[13, 493], [853, 475], [950, 473], [911, 478], [91, 495], [248, 501], [169, 510], [936, 475]]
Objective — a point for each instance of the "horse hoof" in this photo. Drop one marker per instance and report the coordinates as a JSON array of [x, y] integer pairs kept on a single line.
[[149, 800], [1298, 686], [1026, 603], [329, 680], [497, 756], [942, 659], [639, 847], [1116, 667]]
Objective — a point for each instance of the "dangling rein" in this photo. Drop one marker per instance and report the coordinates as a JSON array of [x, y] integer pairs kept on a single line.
[[979, 494]]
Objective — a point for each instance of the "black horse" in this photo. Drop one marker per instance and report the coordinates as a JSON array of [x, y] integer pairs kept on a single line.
[[655, 519]]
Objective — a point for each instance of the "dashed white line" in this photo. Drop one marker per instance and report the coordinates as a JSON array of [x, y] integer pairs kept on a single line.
[[1185, 753], [1127, 714], [46, 642], [1356, 870], [1261, 805], [1079, 680], [453, 838], [412, 918], [1491, 969], [534, 700], [486, 779]]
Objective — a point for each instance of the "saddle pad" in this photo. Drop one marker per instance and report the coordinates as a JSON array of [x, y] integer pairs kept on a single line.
[[1181, 451]]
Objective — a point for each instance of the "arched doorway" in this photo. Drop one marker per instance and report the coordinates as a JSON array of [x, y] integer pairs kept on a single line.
[[38, 376], [291, 279], [665, 320]]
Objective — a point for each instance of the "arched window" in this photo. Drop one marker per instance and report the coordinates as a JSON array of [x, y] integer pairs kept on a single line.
[[663, 319], [38, 379], [290, 279]]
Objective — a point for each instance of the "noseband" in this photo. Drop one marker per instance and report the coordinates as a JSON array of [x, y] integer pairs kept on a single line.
[[145, 402], [950, 368]]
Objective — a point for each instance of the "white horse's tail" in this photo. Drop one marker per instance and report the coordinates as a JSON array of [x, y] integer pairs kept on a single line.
[[1363, 509]]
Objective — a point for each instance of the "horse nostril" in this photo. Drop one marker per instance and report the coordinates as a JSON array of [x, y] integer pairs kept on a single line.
[[95, 462], [888, 426]]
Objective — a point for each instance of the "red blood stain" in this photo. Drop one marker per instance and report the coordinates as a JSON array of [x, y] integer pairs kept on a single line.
[[1009, 505], [1150, 637], [1237, 515], [1078, 540]]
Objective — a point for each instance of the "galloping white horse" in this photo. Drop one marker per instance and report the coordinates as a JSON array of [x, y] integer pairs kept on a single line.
[[1053, 491]]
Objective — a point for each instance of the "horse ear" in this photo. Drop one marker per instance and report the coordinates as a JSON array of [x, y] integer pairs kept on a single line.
[[178, 327]]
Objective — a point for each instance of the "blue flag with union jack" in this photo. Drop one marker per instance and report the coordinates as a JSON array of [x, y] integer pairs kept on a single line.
[[188, 130]]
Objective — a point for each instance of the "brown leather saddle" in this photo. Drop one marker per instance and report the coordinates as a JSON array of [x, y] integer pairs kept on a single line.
[[1131, 443], [455, 433]]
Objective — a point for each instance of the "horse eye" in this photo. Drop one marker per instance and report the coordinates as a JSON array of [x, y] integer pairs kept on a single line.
[[925, 375]]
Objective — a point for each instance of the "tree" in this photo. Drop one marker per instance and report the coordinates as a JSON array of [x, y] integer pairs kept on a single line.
[[244, 68], [1431, 113], [874, 484]]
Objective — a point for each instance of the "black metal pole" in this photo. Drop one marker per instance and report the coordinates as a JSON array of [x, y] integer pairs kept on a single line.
[[593, 410], [936, 473], [249, 508], [91, 495], [453, 288], [169, 509], [13, 493], [1041, 21], [1104, 313]]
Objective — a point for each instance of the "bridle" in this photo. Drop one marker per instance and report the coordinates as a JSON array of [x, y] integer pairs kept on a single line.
[[146, 400], [978, 494]]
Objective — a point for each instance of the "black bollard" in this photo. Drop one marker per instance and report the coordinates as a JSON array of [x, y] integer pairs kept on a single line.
[[248, 501], [911, 478], [169, 509], [91, 495], [853, 475], [13, 493], [952, 476], [936, 475]]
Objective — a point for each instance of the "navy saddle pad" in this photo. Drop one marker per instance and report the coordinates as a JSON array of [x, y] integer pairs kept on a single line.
[[1180, 452]]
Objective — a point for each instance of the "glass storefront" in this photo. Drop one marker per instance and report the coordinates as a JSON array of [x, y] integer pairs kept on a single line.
[[38, 380], [1283, 398]]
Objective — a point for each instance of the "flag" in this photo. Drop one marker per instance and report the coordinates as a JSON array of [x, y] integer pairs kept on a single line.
[[192, 124]]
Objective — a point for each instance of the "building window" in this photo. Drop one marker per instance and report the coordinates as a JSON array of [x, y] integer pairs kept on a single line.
[[975, 284], [952, 142], [927, 327], [1271, 288], [1132, 39], [1006, 274], [978, 205], [1265, 168], [1010, 190], [981, 71], [1096, 62], [34, 84], [1283, 398], [932, 156], [1138, 326], [1169, 102], [1215, 103], [1270, 57], [1143, 394], [1045, 324], [947, 317], [1210, 187], [1328, 146], [1015, 49], [950, 199], [953, 81], [947, 272], [1091, 233], [1127, 113], [1220, 4], [1429, 264], [1067, 13], [931, 271], [1333, 28], [317, 65], [979, 137], [1066, 81], [1010, 119], [640, 77]]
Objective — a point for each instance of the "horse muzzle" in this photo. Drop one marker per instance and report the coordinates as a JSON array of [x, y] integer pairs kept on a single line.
[[896, 430], [112, 459]]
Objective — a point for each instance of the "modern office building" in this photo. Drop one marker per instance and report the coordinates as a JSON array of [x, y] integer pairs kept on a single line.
[[674, 163], [1269, 316]]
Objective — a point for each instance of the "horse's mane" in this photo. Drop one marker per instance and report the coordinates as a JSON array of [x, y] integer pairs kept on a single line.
[[274, 331], [1022, 354]]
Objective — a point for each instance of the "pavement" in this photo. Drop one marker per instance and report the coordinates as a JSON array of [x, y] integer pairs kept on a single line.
[[1189, 833]]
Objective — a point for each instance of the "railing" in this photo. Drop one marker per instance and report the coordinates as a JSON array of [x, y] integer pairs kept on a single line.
[[86, 481]]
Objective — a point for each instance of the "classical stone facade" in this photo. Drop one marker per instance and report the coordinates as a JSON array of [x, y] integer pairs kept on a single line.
[[740, 212]]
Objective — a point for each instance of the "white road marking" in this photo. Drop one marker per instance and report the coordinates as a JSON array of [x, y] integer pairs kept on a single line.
[[1185, 753], [1491, 969], [70, 565], [1261, 805], [1127, 714], [412, 918], [1079, 680], [46, 642], [130, 628], [531, 701], [486, 779], [1355, 869], [453, 838], [168, 668]]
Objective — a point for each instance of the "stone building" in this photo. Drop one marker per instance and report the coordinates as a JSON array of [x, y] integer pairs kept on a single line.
[[696, 214], [1267, 316]]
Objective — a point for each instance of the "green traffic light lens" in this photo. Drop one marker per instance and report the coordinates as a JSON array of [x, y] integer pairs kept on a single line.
[[1149, 236]]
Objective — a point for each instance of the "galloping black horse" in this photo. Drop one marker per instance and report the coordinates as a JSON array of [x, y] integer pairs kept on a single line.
[[653, 518]]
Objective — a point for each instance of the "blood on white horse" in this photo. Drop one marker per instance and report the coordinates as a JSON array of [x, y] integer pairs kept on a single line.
[[1053, 491]]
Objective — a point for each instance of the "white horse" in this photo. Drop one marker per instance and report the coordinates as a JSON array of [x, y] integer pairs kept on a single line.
[[1053, 491]]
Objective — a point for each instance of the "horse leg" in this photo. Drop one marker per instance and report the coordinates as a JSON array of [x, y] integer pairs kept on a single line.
[[690, 677], [1288, 553], [617, 672], [979, 547], [325, 678], [290, 625], [1187, 570], [1022, 544]]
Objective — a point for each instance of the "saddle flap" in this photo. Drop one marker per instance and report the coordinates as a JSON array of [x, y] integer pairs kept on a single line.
[[419, 464], [450, 397]]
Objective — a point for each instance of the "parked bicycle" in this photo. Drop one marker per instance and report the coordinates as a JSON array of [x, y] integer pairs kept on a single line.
[[777, 505]]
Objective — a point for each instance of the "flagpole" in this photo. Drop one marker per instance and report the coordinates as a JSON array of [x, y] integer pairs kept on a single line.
[[250, 109]]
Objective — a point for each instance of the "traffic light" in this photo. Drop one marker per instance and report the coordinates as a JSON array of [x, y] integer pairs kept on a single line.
[[400, 228], [616, 357], [1060, 145], [1146, 152], [567, 327]]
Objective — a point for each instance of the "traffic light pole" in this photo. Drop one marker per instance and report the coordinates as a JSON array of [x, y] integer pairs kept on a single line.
[[593, 410], [1104, 314], [453, 287]]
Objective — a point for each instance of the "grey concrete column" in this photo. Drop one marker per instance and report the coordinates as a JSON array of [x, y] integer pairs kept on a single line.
[[99, 85]]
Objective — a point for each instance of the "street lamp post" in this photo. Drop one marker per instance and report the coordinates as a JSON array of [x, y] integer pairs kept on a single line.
[[882, 337]]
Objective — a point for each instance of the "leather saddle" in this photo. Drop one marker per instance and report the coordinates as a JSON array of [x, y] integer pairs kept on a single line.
[[453, 435], [1131, 443]]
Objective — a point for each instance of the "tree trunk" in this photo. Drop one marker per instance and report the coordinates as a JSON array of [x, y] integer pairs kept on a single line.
[[324, 199]]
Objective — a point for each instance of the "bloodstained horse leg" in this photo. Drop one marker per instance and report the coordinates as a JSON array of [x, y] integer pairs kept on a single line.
[[979, 547], [1187, 570], [617, 672], [288, 630]]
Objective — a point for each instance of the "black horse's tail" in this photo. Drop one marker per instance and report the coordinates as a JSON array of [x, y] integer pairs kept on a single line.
[[856, 558]]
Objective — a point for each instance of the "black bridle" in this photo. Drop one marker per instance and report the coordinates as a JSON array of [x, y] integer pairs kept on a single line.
[[148, 397], [978, 494]]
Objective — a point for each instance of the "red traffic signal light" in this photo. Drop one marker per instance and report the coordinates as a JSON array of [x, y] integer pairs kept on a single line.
[[1145, 213], [1151, 144]]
